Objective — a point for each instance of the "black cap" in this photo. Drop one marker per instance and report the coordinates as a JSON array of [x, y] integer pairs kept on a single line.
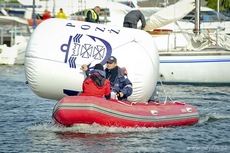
[[99, 67], [112, 59]]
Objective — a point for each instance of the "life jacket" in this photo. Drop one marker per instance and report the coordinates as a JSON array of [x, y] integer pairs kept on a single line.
[[61, 15], [94, 15], [96, 85]]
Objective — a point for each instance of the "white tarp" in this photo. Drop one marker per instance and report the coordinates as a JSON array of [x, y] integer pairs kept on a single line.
[[204, 40], [169, 14]]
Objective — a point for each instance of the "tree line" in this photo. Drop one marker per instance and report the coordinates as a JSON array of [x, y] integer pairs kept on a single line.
[[223, 4], [9, 1]]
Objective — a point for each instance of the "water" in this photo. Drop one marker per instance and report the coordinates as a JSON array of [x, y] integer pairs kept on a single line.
[[26, 124]]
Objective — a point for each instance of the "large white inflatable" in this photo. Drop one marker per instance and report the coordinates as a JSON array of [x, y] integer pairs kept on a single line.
[[57, 48]]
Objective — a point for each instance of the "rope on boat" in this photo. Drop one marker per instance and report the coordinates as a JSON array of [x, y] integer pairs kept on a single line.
[[125, 103], [164, 91], [132, 103], [124, 44], [178, 102]]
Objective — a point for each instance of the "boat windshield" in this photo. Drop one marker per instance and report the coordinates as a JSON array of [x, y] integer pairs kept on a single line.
[[211, 16], [207, 16], [10, 30], [15, 28]]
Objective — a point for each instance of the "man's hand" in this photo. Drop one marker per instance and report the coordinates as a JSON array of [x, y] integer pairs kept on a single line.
[[84, 67], [120, 94]]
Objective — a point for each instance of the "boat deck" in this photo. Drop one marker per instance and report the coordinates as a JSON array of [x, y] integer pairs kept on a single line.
[[206, 52]]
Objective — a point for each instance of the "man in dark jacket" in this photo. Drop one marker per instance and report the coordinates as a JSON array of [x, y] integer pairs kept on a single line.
[[131, 19], [91, 15], [120, 84]]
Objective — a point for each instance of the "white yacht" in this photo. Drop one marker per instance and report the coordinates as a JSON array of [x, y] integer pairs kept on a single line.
[[189, 53], [14, 35]]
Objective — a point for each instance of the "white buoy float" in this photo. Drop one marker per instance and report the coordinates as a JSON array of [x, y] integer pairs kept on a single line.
[[57, 48]]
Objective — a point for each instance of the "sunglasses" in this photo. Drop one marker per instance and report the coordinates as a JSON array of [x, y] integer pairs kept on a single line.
[[109, 62]]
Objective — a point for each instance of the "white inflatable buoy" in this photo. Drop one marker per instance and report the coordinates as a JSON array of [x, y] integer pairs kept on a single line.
[[57, 48]]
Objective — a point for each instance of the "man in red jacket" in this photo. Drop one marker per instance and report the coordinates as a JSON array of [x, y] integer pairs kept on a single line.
[[96, 83]]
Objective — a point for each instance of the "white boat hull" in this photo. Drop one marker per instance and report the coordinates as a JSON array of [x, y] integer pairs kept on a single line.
[[209, 67], [14, 37], [14, 55], [8, 54]]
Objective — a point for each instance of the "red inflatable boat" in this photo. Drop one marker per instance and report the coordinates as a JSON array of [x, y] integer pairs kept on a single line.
[[88, 110]]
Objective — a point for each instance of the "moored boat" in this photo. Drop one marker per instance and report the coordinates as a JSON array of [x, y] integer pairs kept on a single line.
[[13, 40], [192, 53], [72, 110]]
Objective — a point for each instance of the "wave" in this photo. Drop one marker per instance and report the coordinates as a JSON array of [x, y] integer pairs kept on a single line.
[[89, 129], [211, 117], [79, 129]]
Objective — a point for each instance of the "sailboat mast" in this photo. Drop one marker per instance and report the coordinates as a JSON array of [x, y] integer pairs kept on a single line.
[[34, 16], [218, 9], [197, 17], [54, 7]]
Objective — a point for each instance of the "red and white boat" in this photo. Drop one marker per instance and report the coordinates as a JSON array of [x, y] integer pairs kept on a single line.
[[72, 110]]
